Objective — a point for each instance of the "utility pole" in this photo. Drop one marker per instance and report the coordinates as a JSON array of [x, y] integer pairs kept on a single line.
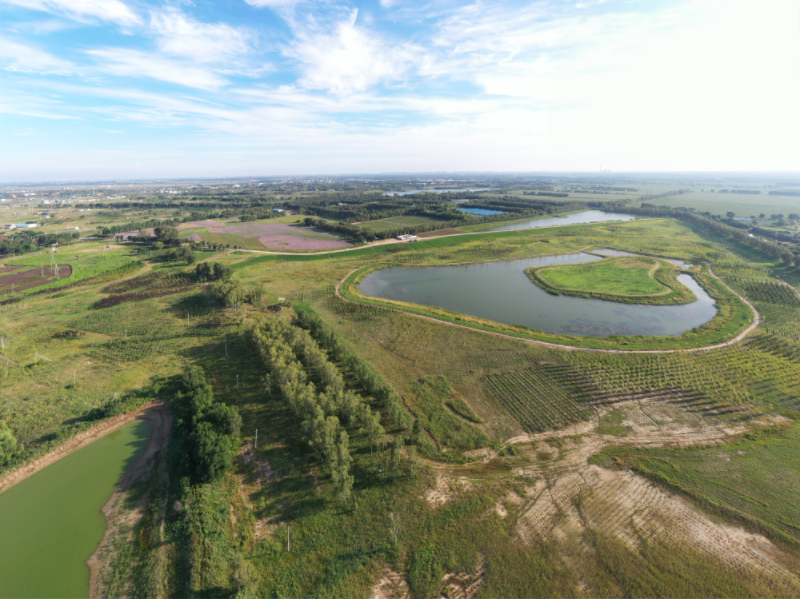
[[288, 538], [226, 347], [256, 443], [237, 382]]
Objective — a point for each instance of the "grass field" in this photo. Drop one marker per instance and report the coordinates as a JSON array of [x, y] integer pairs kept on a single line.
[[387, 224], [497, 491], [623, 276], [742, 205]]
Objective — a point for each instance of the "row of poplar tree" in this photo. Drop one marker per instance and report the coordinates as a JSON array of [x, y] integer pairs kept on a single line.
[[324, 409]]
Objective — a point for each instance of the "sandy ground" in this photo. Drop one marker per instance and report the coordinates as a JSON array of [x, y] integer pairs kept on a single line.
[[80, 440], [116, 513], [569, 496]]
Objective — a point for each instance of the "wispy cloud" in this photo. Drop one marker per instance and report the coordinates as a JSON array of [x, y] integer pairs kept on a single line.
[[122, 62], [350, 58], [15, 56], [83, 10], [181, 35], [508, 84]]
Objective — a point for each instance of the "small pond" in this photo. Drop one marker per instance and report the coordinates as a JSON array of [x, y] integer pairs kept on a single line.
[[577, 218], [501, 291], [52, 521]]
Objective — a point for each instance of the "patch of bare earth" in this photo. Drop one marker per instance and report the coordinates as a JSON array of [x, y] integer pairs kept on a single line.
[[574, 496], [258, 473], [446, 488], [391, 585], [463, 585]]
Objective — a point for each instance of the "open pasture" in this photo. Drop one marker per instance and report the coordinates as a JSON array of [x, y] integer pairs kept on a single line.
[[623, 276], [742, 205], [388, 224], [254, 235], [455, 508]]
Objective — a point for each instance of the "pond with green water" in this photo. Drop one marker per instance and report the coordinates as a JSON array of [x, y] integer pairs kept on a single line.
[[502, 292], [52, 522]]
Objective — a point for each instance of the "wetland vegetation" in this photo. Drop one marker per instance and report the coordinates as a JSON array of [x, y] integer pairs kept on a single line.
[[336, 443]]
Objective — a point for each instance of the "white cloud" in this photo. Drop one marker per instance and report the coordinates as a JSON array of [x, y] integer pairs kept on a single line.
[[275, 4], [82, 10], [134, 63], [24, 58], [350, 59], [202, 42]]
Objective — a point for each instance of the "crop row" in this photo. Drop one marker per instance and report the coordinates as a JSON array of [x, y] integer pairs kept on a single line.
[[765, 291], [121, 298], [160, 279], [533, 399]]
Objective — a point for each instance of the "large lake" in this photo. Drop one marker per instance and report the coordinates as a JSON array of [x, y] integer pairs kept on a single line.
[[52, 522], [577, 218], [501, 291]]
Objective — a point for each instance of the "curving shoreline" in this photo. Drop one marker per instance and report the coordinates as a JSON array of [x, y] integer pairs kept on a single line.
[[739, 337]]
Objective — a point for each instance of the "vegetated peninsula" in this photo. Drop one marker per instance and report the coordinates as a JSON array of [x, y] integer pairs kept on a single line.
[[336, 412], [626, 279]]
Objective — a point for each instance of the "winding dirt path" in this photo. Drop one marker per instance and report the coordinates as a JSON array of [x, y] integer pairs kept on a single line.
[[739, 337]]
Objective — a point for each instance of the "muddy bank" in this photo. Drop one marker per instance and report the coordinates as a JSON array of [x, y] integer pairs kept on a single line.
[[116, 512], [79, 441]]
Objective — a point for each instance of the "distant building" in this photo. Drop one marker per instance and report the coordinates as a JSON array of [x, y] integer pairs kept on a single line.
[[406, 237], [22, 226], [277, 210]]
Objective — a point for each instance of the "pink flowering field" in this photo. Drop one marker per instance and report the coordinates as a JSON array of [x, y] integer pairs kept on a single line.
[[133, 234], [200, 224], [292, 242], [288, 237]]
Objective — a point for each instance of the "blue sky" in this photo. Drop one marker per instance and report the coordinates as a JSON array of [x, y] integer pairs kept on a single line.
[[131, 88]]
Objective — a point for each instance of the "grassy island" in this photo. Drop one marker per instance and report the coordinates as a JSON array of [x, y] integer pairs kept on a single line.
[[628, 279]]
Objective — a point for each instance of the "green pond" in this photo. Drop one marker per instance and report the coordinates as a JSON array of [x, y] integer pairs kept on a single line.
[[52, 522], [501, 291]]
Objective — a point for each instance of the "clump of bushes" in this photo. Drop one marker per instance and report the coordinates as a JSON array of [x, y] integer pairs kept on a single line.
[[207, 431]]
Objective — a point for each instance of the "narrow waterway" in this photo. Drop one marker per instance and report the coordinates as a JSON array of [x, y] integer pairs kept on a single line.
[[52, 522]]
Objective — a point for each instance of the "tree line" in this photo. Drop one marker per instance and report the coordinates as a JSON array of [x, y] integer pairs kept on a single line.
[[705, 221]]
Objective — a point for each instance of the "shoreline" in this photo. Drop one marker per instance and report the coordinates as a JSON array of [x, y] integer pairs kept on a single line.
[[157, 441], [79, 441]]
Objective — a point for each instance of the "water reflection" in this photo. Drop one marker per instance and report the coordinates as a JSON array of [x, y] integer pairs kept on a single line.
[[501, 291]]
